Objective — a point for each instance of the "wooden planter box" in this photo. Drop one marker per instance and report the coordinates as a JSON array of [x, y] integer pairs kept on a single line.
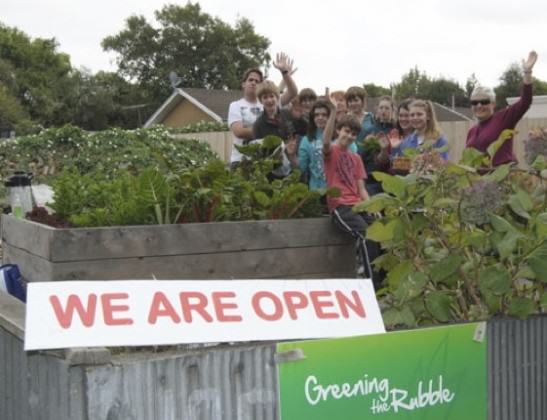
[[298, 248]]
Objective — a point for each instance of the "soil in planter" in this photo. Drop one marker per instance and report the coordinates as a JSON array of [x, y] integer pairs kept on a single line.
[[40, 215]]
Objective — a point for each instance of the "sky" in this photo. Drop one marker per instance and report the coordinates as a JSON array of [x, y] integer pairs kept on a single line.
[[333, 43]]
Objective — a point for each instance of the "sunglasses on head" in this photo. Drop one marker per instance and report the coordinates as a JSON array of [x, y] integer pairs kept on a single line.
[[481, 101]]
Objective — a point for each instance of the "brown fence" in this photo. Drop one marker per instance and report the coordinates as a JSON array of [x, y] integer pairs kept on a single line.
[[455, 131]]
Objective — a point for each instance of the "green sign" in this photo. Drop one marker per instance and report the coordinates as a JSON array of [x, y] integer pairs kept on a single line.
[[432, 373]]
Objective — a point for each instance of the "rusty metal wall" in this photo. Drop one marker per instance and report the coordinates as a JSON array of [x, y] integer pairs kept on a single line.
[[517, 369], [230, 382]]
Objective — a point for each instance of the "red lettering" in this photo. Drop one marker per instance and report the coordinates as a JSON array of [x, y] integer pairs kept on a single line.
[[162, 307], [295, 300], [199, 305], [356, 305], [109, 309], [278, 310], [221, 306], [319, 304], [64, 316]]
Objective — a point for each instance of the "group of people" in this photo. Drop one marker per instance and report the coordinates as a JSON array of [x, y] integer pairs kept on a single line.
[[326, 137]]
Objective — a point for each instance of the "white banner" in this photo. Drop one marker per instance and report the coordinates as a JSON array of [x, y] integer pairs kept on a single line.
[[142, 312]]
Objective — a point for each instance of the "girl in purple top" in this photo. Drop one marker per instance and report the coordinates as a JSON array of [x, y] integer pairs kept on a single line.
[[491, 124]]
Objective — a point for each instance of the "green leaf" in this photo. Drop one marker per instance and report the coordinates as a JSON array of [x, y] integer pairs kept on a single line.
[[539, 163], [445, 268], [471, 157], [500, 224], [262, 198], [381, 232], [495, 279], [525, 199], [517, 206], [411, 286], [445, 202], [391, 184], [499, 174], [543, 301], [438, 304], [398, 272], [537, 260], [507, 246], [376, 203], [521, 307], [494, 147], [460, 169], [541, 225], [394, 317]]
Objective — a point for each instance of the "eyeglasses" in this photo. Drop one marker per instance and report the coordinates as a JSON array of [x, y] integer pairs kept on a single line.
[[480, 101]]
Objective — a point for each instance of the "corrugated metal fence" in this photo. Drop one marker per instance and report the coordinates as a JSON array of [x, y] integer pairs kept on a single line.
[[224, 382]]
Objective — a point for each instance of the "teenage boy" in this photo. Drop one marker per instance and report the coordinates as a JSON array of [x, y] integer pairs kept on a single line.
[[243, 113], [278, 122], [345, 170]]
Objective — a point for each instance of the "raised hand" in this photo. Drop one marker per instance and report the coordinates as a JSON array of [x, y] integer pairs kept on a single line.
[[528, 64], [394, 138], [383, 141], [283, 63]]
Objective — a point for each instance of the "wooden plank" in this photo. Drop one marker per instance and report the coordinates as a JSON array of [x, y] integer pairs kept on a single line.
[[24, 234], [188, 239], [32, 267], [310, 262]]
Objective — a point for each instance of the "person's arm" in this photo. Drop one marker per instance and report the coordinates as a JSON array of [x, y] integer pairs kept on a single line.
[[329, 132], [285, 65], [291, 151], [244, 133], [382, 158], [527, 66], [362, 190], [235, 121], [513, 113]]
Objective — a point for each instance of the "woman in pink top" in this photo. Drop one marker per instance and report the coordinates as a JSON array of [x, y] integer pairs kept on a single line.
[[491, 124]]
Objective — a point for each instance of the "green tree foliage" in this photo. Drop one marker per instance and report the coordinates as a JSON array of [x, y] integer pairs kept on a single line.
[[33, 72], [418, 84], [375, 91], [511, 85], [102, 100], [203, 50]]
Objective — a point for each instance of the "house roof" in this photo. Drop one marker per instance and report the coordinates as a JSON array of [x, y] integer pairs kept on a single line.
[[215, 103]]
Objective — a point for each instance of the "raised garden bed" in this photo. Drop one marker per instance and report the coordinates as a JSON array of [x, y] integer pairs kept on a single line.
[[299, 248]]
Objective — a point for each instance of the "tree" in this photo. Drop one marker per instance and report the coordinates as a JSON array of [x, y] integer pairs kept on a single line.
[[33, 72], [413, 84], [203, 50], [510, 85], [418, 84], [375, 91]]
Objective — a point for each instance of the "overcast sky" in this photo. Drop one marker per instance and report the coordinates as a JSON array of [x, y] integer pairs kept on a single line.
[[334, 43]]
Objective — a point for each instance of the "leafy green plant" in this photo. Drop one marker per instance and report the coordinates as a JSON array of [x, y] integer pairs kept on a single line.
[[461, 243], [205, 194]]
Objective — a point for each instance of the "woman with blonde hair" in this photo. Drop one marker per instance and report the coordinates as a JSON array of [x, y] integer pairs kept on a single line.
[[427, 133]]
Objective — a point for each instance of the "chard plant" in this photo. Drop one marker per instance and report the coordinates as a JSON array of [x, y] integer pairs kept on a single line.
[[462, 243]]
